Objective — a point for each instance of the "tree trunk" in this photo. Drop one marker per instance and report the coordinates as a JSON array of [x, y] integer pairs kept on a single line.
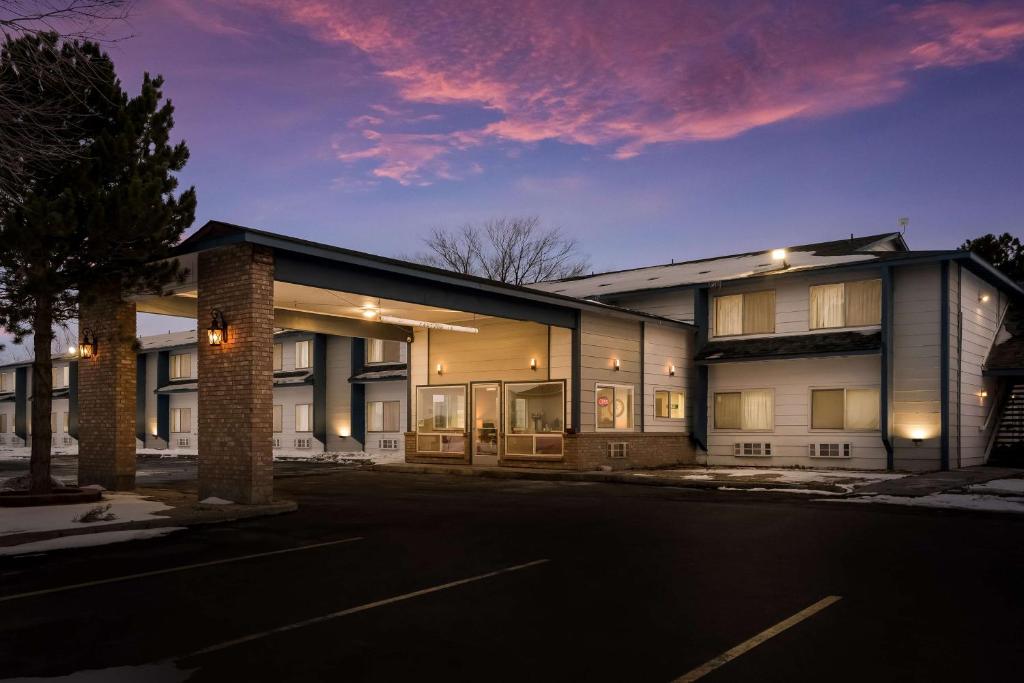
[[42, 396]]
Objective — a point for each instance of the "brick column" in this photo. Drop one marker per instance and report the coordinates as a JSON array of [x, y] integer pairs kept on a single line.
[[236, 378], [106, 394]]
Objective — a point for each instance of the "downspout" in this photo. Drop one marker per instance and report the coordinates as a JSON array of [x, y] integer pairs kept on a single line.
[[944, 366], [886, 369]]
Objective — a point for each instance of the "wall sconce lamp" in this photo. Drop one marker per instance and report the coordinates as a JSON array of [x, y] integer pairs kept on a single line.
[[218, 331], [917, 436], [983, 298], [615, 364], [533, 363], [440, 369], [87, 347], [671, 370], [983, 393]]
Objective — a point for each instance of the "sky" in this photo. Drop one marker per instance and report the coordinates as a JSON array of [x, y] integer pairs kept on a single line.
[[647, 130]]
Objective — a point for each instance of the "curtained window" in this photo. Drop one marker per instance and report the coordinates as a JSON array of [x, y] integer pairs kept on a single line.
[[180, 365], [278, 355], [751, 410], [849, 409], [846, 304], [302, 349], [383, 351], [382, 416], [747, 313], [304, 417], [278, 417], [181, 420]]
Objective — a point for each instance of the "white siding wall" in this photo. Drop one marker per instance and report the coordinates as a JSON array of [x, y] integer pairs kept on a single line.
[[674, 304], [339, 396], [981, 322], [561, 364], [288, 398], [7, 408], [792, 381], [387, 391], [152, 441], [664, 347], [603, 339], [188, 400]]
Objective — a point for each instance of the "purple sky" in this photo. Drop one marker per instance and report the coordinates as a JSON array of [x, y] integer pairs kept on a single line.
[[648, 130]]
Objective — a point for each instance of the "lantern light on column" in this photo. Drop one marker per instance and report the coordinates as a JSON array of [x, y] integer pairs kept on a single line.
[[87, 347], [218, 331]]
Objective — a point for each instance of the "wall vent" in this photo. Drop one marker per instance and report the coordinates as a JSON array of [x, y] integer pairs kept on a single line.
[[830, 450], [304, 443], [618, 449], [388, 444], [68, 441], [277, 442], [752, 450], [184, 442]]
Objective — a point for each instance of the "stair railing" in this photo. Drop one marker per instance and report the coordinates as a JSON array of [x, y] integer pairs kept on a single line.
[[1002, 400]]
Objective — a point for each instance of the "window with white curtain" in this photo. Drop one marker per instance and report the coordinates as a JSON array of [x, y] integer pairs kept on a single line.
[[278, 418], [750, 410], [846, 409], [181, 420], [382, 416], [60, 376], [846, 304], [304, 417], [180, 365], [747, 313], [6, 383], [383, 351], [278, 356], [302, 349]]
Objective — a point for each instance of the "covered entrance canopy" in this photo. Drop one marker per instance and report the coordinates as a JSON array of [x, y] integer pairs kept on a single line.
[[256, 281]]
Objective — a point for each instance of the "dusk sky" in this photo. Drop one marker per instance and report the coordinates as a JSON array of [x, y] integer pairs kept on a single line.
[[650, 131]]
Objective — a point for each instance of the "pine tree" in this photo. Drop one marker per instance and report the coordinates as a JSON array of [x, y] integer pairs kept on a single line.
[[101, 219]]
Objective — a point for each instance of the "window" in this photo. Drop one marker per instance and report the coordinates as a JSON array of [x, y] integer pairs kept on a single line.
[[614, 404], [302, 349], [181, 420], [534, 418], [752, 450], [440, 409], [5, 381], [618, 450], [669, 404], [381, 351], [60, 376], [3, 423], [382, 416], [388, 444], [747, 313], [278, 418], [830, 450], [751, 410], [846, 304], [846, 409], [278, 356], [304, 443], [181, 365], [304, 417]]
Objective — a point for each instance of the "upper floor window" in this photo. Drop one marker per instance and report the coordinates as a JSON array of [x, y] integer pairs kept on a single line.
[[750, 410], [181, 365], [278, 356], [847, 409], [669, 404], [747, 313], [302, 349], [6, 383], [382, 351], [846, 304], [60, 376], [278, 417], [614, 404], [3, 423]]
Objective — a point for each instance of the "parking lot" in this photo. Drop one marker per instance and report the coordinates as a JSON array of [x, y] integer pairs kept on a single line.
[[383, 576]]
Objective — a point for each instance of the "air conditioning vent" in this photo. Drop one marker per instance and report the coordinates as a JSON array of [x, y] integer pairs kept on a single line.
[[619, 449], [830, 450], [68, 441], [183, 441], [277, 442], [303, 443], [388, 444], [752, 450]]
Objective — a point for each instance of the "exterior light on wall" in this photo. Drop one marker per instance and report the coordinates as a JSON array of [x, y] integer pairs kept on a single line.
[[533, 363], [344, 432], [983, 298], [917, 435], [87, 347], [370, 313], [983, 393], [671, 370], [615, 364], [440, 369], [218, 331]]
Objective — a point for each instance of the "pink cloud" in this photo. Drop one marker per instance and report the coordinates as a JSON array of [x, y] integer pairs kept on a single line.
[[625, 76]]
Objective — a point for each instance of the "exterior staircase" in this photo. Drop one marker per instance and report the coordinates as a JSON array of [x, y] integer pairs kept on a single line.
[[1008, 448]]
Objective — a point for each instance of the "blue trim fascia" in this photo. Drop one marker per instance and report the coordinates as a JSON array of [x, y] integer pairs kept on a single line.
[[163, 401], [700, 404], [944, 367], [886, 368], [358, 411], [73, 399], [320, 387], [21, 403]]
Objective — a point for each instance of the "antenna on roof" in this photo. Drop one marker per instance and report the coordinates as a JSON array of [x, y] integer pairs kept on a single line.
[[903, 222]]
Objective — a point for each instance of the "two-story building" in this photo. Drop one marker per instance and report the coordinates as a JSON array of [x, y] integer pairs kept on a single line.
[[16, 404], [854, 353]]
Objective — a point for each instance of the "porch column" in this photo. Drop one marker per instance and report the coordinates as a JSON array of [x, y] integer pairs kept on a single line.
[[236, 378], [106, 393]]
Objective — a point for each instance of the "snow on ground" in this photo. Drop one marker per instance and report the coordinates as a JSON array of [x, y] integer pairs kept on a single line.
[[338, 456], [214, 500], [758, 489], [787, 476], [951, 501], [86, 540], [998, 486], [126, 507]]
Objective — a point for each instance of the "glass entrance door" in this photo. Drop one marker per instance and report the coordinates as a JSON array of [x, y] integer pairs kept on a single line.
[[486, 420]]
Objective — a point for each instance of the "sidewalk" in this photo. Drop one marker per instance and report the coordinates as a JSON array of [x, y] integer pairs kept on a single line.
[[928, 483], [35, 529]]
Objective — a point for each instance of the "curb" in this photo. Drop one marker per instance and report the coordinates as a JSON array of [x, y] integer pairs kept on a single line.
[[601, 477]]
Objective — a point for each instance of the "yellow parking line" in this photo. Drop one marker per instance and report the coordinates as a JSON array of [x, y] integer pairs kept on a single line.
[[747, 645]]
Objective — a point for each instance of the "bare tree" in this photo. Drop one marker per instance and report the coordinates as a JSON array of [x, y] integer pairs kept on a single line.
[[34, 133], [514, 250]]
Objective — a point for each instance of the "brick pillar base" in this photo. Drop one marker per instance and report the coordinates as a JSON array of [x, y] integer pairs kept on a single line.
[[236, 378], [106, 394]]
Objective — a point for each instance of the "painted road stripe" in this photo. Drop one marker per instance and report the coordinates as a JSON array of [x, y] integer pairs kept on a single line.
[[360, 608], [746, 646], [157, 572]]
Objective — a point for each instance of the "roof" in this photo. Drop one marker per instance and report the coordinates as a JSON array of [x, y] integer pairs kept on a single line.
[[219, 233], [171, 339], [392, 372], [292, 377], [791, 346], [800, 257]]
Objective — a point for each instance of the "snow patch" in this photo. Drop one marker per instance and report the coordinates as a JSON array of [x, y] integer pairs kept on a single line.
[[86, 540], [950, 501], [1015, 486], [759, 489], [127, 507], [214, 500]]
